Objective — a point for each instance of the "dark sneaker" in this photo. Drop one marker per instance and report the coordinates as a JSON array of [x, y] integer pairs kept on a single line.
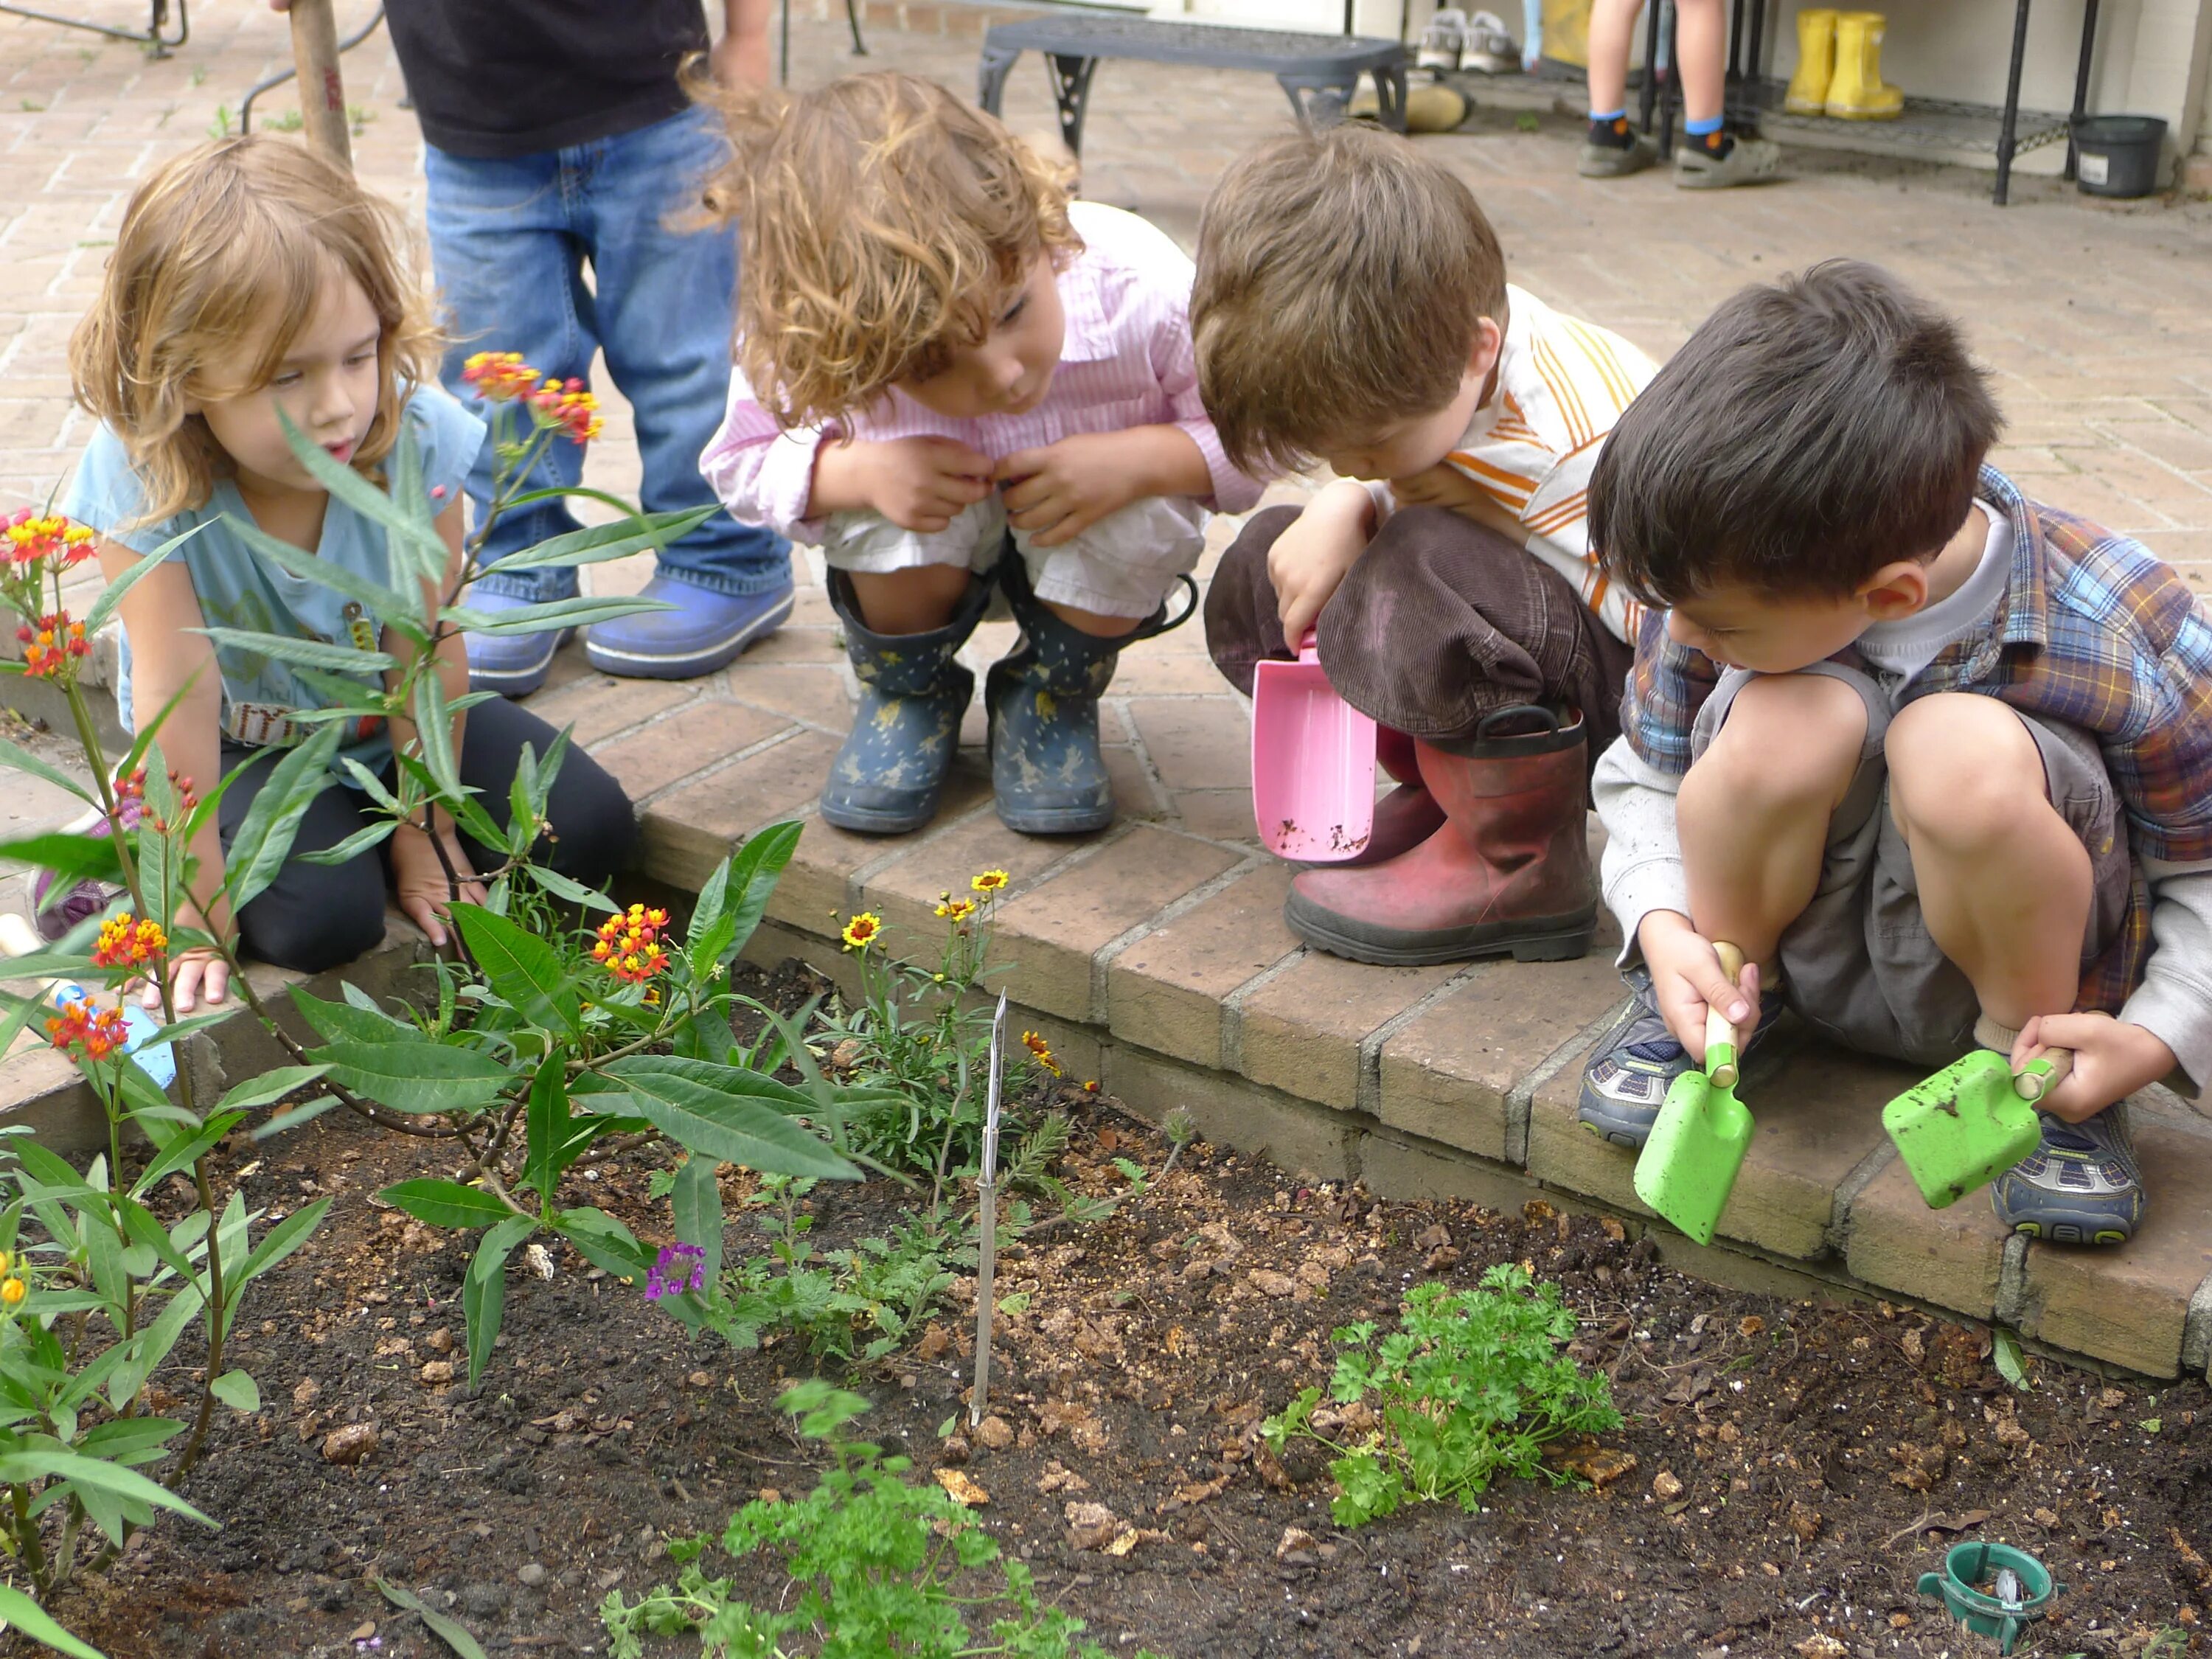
[[2081, 1186], [1637, 1062]]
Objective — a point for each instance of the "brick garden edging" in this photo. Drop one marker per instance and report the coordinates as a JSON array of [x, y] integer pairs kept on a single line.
[[1158, 963]]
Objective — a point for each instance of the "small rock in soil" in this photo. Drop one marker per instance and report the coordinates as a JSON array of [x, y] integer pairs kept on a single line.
[[995, 1432], [1821, 1645], [1269, 1282], [955, 1452], [962, 1490], [485, 1601], [700, 1380], [304, 1395], [1092, 1526], [439, 1341], [437, 1372], [351, 1443], [1296, 1548], [532, 1574], [1666, 1486]]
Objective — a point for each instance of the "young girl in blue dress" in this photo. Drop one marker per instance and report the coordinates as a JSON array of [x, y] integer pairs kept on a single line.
[[251, 276]]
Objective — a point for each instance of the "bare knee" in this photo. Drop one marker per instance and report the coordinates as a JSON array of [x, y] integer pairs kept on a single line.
[[916, 600], [1790, 741], [1963, 772]]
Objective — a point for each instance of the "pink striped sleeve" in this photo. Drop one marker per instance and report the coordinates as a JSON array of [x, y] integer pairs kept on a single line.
[[762, 475], [1175, 363]]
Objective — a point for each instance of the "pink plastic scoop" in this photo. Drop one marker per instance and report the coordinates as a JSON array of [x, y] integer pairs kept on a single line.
[[1313, 763]]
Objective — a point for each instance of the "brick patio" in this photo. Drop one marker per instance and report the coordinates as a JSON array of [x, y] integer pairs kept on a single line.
[[1155, 955]]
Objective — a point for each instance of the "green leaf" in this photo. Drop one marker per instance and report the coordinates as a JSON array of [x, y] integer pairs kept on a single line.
[[605, 1243], [364, 497], [381, 602], [737, 893], [264, 838], [304, 653], [22, 760], [336, 1022], [353, 846], [731, 1122], [71, 858], [29, 1463], [610, 541], [521, 967], [546, 1128], [292, 1119], [447, 1203], [279, 1241], [415, 1076], [18, 1612], [271, 1085], [696, 1204], [483, 1292], [552, 614], [237, 1390], [445, 1630], [434, 731], [575, 891], [112, 595], [2004, 1349], [186, 1149]]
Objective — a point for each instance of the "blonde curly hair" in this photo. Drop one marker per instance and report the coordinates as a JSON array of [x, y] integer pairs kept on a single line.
[[226, 249], [883, 225]]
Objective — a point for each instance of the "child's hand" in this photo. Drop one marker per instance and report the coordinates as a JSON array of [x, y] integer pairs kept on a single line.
[[920, 484], [421, 878], [1057, 492], [1309, 560], [1444, 485], [2112, 1059], [195, 976], [1687, 979]]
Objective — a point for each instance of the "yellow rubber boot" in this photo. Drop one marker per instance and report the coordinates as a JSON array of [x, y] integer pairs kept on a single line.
[[1858, 92], [1816, 62]]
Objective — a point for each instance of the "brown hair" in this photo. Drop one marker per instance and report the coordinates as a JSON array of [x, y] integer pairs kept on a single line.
[[1809, 432], [1342, 276], [882, 224], [227, 246]]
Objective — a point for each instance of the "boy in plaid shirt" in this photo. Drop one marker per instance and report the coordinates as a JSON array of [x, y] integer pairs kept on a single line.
[[1937, 758]]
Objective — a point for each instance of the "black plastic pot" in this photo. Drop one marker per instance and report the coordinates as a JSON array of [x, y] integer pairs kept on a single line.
[[2118, 154]]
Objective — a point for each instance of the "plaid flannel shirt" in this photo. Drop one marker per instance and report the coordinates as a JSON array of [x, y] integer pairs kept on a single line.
[[2094, 633]]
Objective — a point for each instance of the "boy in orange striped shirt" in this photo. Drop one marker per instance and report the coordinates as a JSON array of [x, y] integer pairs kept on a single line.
[[1352, 307]]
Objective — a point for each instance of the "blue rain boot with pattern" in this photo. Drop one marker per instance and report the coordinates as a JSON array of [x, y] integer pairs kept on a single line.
[[887, 778], [1047, 769]]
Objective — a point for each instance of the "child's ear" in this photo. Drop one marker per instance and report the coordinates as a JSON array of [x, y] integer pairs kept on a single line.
[[1895, 592], [1489, 341]]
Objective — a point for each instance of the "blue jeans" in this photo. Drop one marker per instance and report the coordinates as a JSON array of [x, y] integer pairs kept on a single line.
[[509, 240]]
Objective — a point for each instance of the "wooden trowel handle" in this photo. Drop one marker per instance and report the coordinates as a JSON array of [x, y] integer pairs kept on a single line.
[[1719, 1034], [2033, 1085], [322, 92]]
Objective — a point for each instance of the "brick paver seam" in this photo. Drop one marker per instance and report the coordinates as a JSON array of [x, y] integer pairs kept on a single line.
[[1367, 1079], [1855, 1181], [1521, 1098], [720, 763], [1232, 1008], [1101, 959], [2197, 1331], [2011, 1307]]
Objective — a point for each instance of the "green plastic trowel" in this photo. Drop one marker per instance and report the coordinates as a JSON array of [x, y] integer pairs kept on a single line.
[[1972, 1122], [1688, 1166]]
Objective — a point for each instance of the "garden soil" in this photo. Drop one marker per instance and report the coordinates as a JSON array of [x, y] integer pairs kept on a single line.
[[1786, 1472]]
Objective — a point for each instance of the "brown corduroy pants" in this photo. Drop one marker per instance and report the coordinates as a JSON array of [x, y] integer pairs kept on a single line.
[[1442, 621]]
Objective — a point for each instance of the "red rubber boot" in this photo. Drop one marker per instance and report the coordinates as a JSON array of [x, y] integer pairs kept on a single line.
[[1509, 871], [1408, 815]]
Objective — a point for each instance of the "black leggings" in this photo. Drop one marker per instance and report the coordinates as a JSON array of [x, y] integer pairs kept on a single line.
[[315, 916]]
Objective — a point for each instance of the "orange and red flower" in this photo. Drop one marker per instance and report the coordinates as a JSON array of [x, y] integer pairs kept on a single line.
[[565, 403], [629, 946], [51, 646], [98, 1032], [500, 377], [30, 536], [127, 942]]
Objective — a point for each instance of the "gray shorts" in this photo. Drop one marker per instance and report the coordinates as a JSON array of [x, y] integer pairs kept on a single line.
[[1858, 965]]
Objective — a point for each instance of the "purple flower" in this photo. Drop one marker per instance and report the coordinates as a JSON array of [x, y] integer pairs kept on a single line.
[[660, 1281]]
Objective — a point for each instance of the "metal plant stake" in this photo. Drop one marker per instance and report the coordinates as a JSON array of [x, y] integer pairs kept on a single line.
[[987, 1247]]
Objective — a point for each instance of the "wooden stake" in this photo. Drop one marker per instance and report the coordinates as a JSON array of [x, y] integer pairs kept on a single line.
[[322, 92], [986, 1224]]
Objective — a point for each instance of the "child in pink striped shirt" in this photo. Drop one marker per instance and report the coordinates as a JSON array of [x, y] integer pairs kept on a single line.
[[959, 383]]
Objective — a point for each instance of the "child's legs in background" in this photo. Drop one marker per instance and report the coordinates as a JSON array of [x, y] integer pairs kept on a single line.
[[509, 265], [313, 916], [1700, 54], [594, 823], [1440, 622]]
